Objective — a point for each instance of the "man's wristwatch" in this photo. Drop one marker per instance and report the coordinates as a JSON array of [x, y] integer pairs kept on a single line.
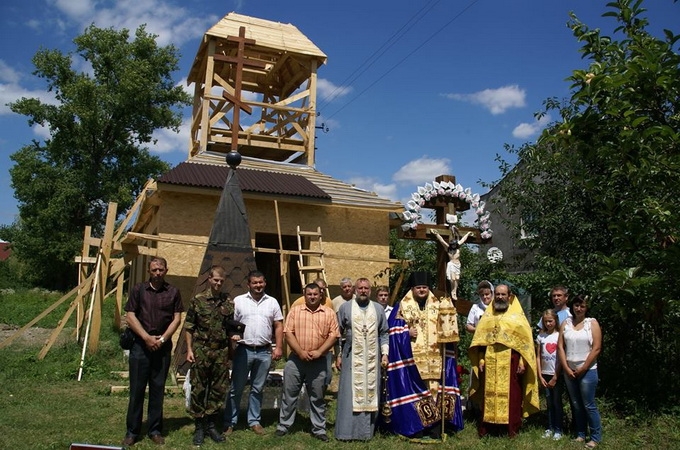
[[162, 339]]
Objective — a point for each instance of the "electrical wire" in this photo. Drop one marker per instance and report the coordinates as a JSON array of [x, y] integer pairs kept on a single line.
[[401, 61], [375, 56]]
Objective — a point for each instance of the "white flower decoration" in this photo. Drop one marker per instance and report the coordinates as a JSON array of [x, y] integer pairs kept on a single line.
[[412, 217]]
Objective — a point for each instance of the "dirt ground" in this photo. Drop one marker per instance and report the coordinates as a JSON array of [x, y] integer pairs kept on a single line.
[[32, 337]]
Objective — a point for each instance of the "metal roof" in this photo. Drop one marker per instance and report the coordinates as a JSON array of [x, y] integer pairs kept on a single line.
[[207, 170], [211, 176]]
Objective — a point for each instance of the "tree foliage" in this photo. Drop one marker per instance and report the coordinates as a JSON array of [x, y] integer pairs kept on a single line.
[[600, 192], [96, 152]]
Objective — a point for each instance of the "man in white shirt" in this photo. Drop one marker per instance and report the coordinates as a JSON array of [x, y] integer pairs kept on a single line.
[[382, 295], [263, 319]]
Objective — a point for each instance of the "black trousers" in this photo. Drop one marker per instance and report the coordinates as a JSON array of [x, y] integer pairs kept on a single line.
[[147, 368]]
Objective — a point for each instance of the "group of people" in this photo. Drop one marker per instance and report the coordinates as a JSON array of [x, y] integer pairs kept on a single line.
[[569, 343], [506, 375], [395, 370]]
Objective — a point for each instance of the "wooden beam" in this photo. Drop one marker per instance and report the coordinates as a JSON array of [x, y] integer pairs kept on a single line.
[[51, 308], [424, 232], [55, 333], [131, 212], [105, 255], [156, 238]]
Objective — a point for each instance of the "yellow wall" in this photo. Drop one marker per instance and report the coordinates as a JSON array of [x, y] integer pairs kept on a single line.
[[355, 241]]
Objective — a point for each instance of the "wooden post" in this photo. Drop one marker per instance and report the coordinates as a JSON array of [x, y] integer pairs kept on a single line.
[[103, 274], [83, 269]]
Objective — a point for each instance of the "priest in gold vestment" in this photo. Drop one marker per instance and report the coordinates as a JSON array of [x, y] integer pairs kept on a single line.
[[418, 361], [503, 362]]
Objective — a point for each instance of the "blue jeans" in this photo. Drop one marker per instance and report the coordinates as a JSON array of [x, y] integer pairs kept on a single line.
[[553, 400], [255, 363], [582, 397]]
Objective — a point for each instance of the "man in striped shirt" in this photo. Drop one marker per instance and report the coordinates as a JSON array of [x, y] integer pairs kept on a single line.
[[311, 330]]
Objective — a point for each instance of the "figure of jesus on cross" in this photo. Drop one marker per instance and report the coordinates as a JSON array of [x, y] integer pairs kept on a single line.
[[453, 267]]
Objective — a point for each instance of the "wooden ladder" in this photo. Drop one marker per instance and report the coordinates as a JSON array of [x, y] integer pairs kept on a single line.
[[307, 255]]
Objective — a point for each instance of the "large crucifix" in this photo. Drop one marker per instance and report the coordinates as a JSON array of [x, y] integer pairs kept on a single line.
[[240, 62], [446, 234]]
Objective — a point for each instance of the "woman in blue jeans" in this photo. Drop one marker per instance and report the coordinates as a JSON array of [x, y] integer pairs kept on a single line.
[[579, 345]]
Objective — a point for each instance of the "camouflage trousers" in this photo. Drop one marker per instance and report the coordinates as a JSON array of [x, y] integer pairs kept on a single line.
[[209, 381]]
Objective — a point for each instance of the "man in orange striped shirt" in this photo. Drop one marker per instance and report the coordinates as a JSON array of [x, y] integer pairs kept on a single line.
[[310, 331]]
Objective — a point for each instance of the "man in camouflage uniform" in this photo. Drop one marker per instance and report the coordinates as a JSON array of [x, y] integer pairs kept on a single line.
[[209, 327]]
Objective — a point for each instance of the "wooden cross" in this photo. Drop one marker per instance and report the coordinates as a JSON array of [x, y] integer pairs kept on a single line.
[[240, 61], [443, 206]]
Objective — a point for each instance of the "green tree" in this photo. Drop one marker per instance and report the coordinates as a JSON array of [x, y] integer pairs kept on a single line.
[[600, 192], [96, 151]]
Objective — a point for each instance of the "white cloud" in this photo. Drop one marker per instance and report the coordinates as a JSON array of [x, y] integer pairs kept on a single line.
[[526, 130], [372, 185], [495, 100], [42, 132], [188, 88], [328, 91], [8, 74], [168, 141], [422, 170], [75, 8], [11, 91], [171, 23]]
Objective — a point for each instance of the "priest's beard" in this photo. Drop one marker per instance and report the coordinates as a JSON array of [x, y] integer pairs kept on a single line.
[[501, 305], [363, 300]]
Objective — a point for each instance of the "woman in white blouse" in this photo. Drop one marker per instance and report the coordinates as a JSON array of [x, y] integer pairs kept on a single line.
[[579, 345]]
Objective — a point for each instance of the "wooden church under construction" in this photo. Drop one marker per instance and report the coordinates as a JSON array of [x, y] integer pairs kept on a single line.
[[255, 87]]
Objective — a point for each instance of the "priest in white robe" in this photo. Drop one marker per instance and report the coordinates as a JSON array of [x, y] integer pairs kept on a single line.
[[364, 350]]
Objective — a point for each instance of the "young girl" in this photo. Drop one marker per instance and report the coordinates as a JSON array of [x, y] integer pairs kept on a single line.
[[548, 372]]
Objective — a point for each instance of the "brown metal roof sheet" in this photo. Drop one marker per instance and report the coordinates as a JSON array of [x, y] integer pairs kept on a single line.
[[265, 182], [340, 193]]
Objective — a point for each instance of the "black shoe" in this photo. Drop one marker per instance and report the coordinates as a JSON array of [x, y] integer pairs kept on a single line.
[[129, 441], [280, 433], [214, 435], [321, 437], [199, 434], [199, 437], [210, 429]]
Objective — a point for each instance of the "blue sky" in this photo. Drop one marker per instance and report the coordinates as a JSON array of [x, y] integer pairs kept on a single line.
[[419, 88]]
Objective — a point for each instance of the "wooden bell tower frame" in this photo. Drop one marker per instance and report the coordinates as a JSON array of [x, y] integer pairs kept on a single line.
[[265, 69]]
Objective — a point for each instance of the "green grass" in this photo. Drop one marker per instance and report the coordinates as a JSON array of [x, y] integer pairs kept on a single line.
[[44, 407]]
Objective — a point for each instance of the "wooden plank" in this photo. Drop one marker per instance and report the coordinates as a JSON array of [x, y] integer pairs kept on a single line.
[[105, 254], [85, 260], [156, 238], [119, 301], [55, 333], [424, 232], [51, 308], [131, 212]]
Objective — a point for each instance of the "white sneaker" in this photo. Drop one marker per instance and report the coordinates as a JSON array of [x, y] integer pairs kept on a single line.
[[557, 436], [548, 434]]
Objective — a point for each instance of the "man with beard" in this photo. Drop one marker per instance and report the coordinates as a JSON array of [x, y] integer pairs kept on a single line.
[[503, 362], [363, 327], [415, 366]]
